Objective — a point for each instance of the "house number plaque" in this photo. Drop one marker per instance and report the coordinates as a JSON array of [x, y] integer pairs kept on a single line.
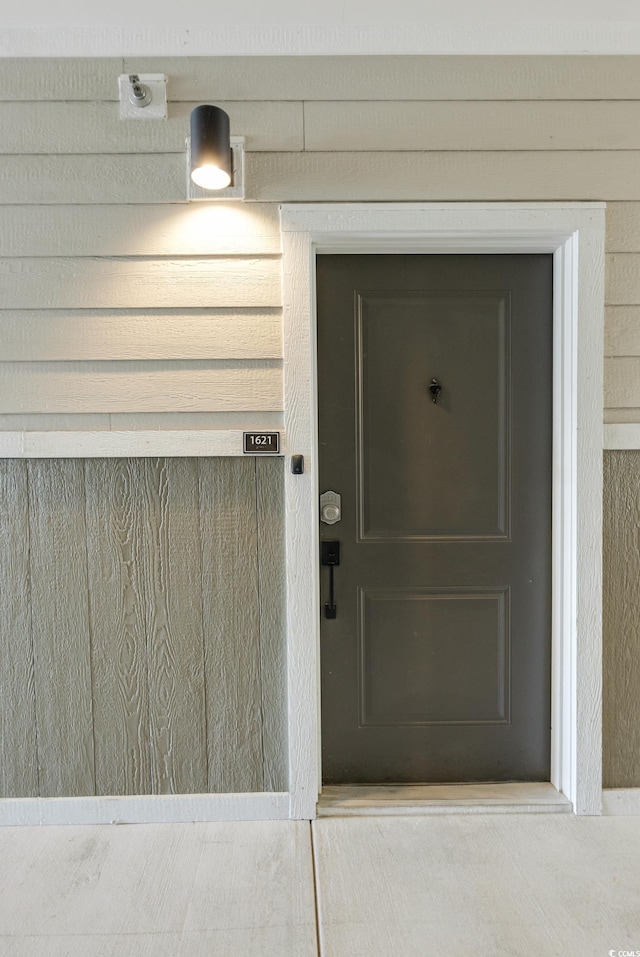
[[261, 443]]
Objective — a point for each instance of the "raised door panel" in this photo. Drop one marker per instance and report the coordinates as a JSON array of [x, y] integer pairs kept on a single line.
[[433, 470]]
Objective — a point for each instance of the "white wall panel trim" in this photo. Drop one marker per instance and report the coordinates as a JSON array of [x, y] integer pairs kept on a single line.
[[621, 801], [575, 234], [622, 435], [152, 809], [103, 444]]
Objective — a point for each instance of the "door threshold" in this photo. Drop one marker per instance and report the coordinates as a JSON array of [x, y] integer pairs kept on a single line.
[[358, 800]]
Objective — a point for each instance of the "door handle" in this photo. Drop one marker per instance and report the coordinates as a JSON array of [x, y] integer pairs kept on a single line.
[[330, 557]]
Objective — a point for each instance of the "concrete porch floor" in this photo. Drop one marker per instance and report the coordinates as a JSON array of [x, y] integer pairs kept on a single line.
[[492, 884]]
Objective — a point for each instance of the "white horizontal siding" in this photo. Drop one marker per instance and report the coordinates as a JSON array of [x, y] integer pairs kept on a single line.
[[64, 283], [106, 272], [199, 229], [59, 79], [446, 125], [396, 77], [16, 423], [622, 382], [613, 416], [97, 128], [47, 128], [146, 421], [49, 335], [405, 176], [343, 176], [245, 421], [93, 180], [622, 326], [623, 227], [622, 331], [69, 387], [623, 279]]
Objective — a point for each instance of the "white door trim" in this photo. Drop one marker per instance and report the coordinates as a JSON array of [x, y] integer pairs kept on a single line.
[[574, 233]]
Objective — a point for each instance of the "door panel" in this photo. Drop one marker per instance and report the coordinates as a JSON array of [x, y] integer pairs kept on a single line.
[[437, 666], [464, 343], [416, 678]]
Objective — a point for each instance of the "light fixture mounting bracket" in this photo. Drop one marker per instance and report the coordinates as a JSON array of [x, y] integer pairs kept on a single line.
[[143, 96]]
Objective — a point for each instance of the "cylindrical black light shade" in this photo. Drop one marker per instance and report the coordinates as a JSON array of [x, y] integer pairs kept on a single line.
[[211, 162]]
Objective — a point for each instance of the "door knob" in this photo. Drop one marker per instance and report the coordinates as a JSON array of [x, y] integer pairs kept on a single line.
[[330, 508]]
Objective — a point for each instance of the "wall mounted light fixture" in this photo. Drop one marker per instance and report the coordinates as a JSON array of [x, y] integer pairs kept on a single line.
[[210, 160], [215, 161]]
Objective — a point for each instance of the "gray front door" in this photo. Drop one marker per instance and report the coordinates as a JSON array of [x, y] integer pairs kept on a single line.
[[436, 666]]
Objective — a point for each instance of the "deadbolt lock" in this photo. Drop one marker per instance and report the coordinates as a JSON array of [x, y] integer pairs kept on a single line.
[[330, 508]]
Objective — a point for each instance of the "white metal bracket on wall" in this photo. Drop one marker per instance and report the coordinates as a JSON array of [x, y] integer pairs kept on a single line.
[[143, 96]]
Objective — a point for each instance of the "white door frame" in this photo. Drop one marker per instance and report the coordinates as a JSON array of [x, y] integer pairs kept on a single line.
[[574, 233]]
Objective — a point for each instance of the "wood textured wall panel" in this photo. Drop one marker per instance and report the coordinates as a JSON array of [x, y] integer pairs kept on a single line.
[[273, 641], [623, 279], [95, 128], [46, 78], [196, 229], [622, 331], [231, 621], [118, 627], [172, 573], [87, 180], [55, 335], [415, 125], [18, 737], [65, 283], [158, 624], [138, 387], [396, 77], [621, 633], [472, 176], [61, 628], [623, 228]]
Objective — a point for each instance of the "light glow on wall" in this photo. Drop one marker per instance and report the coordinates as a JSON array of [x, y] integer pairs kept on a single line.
[[211, 228]]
